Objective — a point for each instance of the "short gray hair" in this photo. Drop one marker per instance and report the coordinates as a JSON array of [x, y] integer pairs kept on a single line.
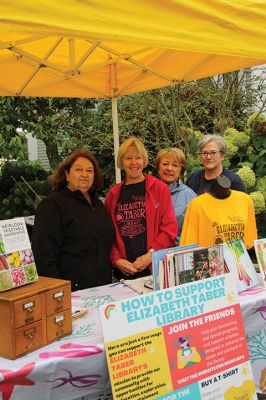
[[218, 139]]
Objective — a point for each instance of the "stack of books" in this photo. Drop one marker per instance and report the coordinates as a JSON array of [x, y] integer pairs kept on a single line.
[[172, 267], [178, 265]]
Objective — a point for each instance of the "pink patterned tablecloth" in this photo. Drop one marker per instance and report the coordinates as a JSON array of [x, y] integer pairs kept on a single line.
[[75, 368]]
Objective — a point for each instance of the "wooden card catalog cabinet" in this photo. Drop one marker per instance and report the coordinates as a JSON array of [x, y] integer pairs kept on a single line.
[[34, 315]]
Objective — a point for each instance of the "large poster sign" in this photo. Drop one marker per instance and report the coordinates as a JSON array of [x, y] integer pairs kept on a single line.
[[187, 342]]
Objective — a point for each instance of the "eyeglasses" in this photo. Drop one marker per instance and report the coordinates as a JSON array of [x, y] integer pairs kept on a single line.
[[212, 154]]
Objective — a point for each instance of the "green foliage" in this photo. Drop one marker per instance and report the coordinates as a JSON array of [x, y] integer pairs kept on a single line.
[[237, 138], [258, 201], [11, 170], [232, 149], [16, 198], [53, 120], [247, 176], [254, 117], [173, 116], [261, 185]]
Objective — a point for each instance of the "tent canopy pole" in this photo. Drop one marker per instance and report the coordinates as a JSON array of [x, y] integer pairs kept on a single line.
[[116, 137]]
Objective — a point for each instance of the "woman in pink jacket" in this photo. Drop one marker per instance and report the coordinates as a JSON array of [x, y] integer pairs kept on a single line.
[[142, 212]]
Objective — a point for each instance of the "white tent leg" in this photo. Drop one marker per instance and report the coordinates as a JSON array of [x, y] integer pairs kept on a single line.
[[116, 137]]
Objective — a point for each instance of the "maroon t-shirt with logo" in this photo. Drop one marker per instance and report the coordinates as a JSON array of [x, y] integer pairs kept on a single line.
[[131, 218]]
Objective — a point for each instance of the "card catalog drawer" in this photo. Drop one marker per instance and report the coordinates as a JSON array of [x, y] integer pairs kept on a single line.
[[29, 338], [58, 300], [59, 325], [27, 311]]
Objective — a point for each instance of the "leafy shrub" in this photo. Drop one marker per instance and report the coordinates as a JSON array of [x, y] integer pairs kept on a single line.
[[16, 197], [258, 201], [247, 176]]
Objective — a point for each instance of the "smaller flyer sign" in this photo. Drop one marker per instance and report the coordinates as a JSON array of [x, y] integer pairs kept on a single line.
[[17, 266], [186, 342]]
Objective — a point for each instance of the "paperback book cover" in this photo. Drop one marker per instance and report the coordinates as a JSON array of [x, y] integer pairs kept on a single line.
[[239, 263], [17, 266], [260, 249], [208, 262], [170, 270], [185, 265]]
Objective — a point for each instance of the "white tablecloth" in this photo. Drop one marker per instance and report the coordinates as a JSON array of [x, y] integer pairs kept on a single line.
[[75, 367]]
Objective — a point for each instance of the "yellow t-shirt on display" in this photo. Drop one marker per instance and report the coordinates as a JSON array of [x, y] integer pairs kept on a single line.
[[210, 221]]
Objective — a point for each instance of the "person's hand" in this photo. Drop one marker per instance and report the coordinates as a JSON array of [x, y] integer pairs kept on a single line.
[[143, 261], [126, 267]]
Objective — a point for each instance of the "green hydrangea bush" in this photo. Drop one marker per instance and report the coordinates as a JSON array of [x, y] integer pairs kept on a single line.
[[251, 165], [246, 155], [247, 176]]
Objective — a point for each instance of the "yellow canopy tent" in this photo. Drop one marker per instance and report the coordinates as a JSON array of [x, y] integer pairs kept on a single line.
[[109, 48]]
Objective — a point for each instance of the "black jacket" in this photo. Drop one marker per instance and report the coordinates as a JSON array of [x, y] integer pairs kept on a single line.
[[72, 240], [199, 184]]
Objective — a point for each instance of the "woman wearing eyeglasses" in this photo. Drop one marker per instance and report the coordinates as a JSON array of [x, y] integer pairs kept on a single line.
[[212, 150]]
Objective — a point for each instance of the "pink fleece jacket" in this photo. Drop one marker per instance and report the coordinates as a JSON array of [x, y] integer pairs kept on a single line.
[[160, 217]]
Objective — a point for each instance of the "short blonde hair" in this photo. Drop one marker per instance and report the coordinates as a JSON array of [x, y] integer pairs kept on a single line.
[[128, 144], [174, 152]]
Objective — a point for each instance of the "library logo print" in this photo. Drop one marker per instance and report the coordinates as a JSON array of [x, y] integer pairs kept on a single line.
[[109, 310]]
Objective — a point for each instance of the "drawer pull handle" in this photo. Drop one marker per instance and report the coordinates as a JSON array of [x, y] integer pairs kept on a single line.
[[59, 296], [59, 320], [30, 333], [29, 336], [29, 306]]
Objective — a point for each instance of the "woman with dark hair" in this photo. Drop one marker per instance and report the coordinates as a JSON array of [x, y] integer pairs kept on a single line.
[[73, 233]]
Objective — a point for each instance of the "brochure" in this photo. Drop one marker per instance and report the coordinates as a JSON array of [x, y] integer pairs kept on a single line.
[[260, 249], [238, 262]]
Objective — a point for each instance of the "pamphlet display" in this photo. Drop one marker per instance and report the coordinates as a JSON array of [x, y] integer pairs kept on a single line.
[[17, 266], [184, 342], [260, 249], [238, 262]]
